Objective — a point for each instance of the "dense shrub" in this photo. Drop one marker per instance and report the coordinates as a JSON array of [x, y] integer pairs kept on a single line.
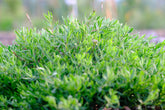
[[88, 65]]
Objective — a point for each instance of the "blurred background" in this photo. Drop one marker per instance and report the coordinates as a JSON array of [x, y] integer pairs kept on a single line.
[[148, 16]]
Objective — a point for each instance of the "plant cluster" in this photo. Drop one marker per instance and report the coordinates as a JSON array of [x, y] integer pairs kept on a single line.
[[76, 65]]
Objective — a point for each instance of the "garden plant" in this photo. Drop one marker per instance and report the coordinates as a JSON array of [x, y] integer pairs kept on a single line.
[[82, 65]]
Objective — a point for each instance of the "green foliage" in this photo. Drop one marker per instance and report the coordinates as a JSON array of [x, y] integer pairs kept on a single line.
[[81, 65]]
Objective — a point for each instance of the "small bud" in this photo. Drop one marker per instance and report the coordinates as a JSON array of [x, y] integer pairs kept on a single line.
[[95, 41]]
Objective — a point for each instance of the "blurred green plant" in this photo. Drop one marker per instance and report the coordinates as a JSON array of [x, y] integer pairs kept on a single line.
[[142, 14], [6, 23], [13, 6], [11, 14]]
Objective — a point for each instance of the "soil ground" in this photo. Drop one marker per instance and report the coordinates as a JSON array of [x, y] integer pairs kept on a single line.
[[159, 34], [7, 38]]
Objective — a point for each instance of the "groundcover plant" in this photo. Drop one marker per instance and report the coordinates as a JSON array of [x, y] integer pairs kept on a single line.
[[85, 65]]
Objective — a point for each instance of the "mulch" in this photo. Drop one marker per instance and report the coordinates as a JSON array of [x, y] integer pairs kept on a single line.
[[159, 34], [7, 38]]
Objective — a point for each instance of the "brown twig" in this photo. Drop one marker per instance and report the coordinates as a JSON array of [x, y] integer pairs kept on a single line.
[[18, 56], [29, 19]]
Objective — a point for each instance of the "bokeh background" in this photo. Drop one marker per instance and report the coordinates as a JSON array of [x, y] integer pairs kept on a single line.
[[140, 14]]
